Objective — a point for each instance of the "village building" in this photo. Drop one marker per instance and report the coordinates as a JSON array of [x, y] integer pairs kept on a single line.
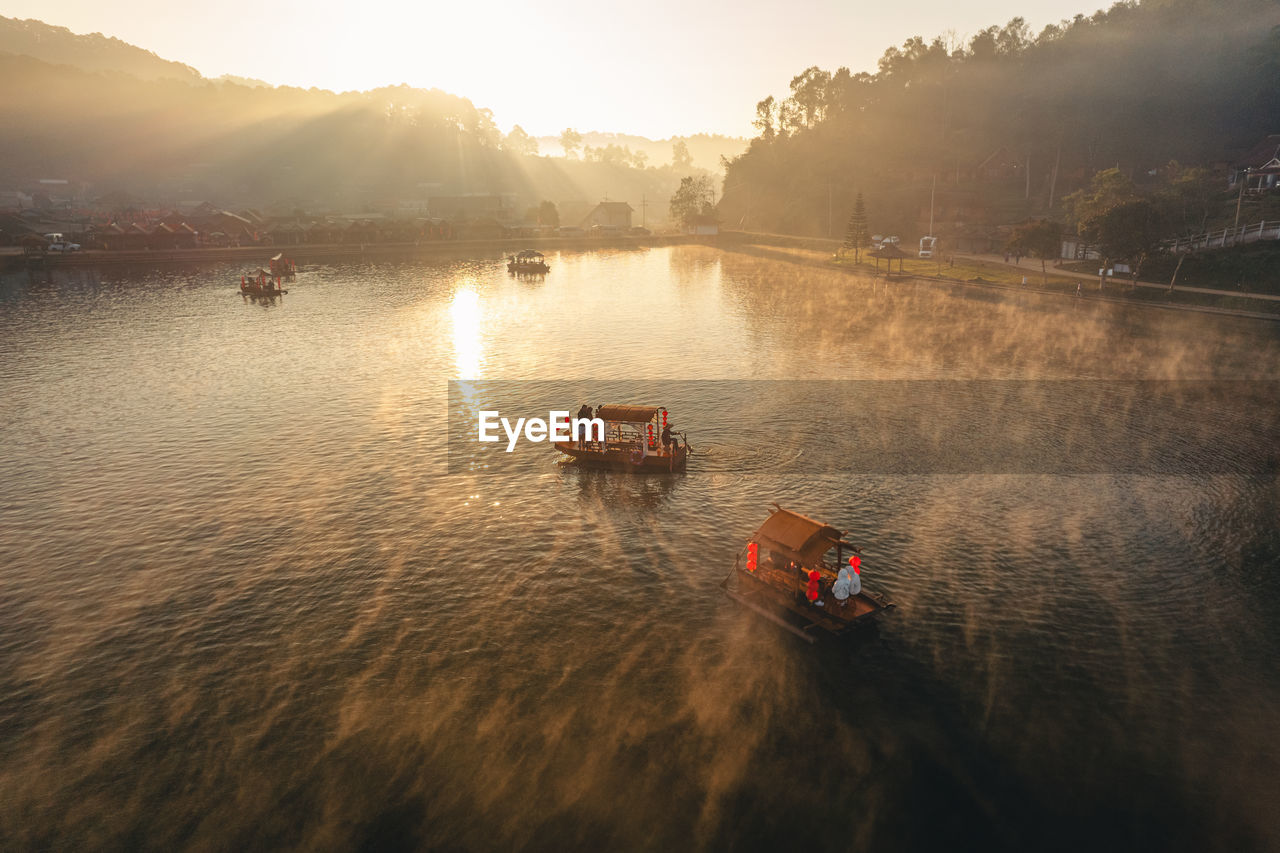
[[612, 215], [1259, 167]]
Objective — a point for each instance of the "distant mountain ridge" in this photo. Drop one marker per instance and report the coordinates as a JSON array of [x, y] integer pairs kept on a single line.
[[94, 52]]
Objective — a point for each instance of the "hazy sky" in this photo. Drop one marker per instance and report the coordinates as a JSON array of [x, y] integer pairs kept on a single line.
[[654, 69]]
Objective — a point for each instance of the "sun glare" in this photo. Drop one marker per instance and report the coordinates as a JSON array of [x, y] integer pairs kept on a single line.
[[466, 314]]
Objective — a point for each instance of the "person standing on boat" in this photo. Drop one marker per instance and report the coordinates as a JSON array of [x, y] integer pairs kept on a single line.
[[584, 413], [840, 589], [848, 581], [667, 438]]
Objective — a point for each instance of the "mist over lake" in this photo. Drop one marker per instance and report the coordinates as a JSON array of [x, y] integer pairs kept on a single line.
[[245, 603]]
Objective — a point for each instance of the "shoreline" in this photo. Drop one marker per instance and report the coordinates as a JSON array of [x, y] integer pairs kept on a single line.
[[761, 245], [309, 253]]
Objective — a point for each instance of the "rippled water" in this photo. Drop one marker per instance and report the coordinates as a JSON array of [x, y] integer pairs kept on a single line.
[[244, 604]]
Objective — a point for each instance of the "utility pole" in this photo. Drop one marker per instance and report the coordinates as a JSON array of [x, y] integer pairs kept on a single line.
[[828, 209], [1244, 180], [643, 210], [932, 193]]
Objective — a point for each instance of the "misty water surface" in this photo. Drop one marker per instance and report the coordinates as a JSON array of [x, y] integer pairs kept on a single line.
[[244, 604]]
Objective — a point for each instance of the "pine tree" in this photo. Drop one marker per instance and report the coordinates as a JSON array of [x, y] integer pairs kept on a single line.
[[856, 235]]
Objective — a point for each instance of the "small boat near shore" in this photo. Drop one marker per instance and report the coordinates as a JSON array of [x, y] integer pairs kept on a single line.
[[527, 261], [633, 440], [261, 283], [783, 575], [283, 267]]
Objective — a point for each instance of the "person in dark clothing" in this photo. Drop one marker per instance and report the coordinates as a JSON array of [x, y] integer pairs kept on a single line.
[[584, 413], [667, 439]]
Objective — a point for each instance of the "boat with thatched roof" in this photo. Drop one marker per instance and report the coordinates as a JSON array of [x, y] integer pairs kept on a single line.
[[638, 439], [783, 574], [527, 261], [261, 283]]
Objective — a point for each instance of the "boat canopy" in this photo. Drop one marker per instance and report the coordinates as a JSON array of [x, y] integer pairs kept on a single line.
[[627, 414], [797, 536], [529, 254], [278, 257]]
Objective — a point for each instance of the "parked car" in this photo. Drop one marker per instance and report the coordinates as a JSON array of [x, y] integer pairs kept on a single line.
[[637, 231], [58, 243]]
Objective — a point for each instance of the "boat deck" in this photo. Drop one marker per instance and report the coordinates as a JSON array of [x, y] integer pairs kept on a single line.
[[782, 588]]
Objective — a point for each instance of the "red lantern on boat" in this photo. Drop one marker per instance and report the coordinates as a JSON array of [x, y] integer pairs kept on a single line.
[[753, 552], [650, 428]]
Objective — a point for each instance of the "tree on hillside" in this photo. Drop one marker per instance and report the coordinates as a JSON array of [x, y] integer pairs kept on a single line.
[[1189, 198], [764, 119], [548, 214], [570, 141], [1130, 230], [856, 235], [681, 160], [1041, 239], [693, 199], [1107, 189], [520, 142], [1013, 120]]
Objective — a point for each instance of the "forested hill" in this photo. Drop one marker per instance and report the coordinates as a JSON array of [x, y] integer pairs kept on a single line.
[[167, 139], [1011, 122], [96, 52]]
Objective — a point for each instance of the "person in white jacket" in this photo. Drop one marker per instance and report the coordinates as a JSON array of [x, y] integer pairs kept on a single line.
[[848, 581]]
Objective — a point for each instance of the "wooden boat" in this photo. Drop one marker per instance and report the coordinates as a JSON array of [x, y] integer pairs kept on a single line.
[[261, 283], [770, 574], [632, 442], [283, 267], [527, 261]]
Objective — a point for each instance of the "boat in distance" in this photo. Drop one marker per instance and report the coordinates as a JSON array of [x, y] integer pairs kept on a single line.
[[637, 439], [782, 573], [261, 283], [527, 261]]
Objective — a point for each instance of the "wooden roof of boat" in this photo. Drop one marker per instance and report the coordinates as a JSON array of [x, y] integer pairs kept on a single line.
[[797, 536], [627, 414]]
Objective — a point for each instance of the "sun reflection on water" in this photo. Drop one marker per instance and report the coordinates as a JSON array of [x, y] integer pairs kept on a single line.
[[466, 314]]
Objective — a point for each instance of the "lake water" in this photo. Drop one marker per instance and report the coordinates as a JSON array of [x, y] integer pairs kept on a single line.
[[249, 599]]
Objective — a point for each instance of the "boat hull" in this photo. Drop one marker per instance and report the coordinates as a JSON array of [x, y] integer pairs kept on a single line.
[[774, 594], [618, 459]]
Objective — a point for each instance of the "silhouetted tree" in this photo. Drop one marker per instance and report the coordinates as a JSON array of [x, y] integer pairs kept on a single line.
[[681, 160], [856, 235], [570, 141], [1130, 230], [1041, 239], [692, 199], [520, 142], [548, 214]]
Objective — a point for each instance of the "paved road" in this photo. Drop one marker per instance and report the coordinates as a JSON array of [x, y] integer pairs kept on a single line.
[[1033, 267]]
